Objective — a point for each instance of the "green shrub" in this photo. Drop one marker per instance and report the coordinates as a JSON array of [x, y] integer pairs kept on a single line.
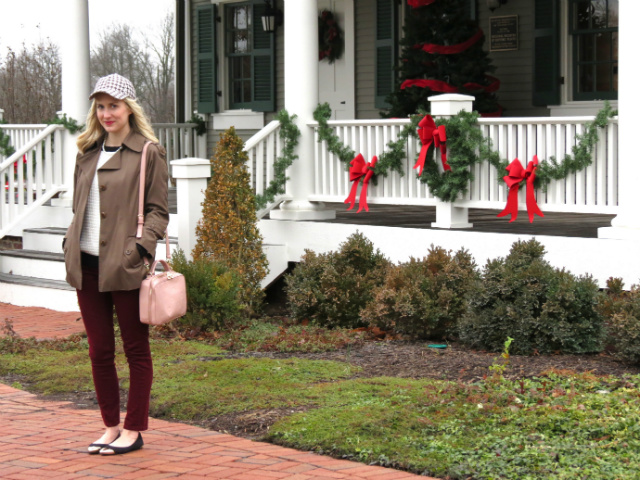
[[330, 289], [622, 311], [542, 308], [228, 231], [214, 293], [424, 298]]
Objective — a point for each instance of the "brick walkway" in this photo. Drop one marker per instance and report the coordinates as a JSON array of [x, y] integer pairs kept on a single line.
[[45, 439]]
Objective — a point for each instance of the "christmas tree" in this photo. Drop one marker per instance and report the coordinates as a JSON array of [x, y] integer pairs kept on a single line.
[[442, 53]]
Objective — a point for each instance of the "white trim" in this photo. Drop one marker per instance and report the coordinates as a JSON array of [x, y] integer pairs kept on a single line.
[[239, 119]]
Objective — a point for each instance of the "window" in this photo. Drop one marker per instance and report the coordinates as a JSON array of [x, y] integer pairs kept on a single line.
[[594, 31], [250, 59]]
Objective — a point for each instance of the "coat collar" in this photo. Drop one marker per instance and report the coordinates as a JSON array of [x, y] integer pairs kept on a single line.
[[134, 142]]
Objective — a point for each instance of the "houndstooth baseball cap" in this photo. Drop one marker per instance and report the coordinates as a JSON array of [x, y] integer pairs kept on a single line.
[[115, 85]]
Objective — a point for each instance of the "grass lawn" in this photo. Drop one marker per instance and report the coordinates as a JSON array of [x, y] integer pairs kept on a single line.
[[559, 426]]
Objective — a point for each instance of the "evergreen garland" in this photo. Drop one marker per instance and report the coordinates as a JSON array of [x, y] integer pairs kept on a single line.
[[466, 146], [71, 124], [200, 127], [6, 150], [290, 135]]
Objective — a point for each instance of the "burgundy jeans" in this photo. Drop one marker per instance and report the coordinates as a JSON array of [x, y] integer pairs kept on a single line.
[[97, 314]]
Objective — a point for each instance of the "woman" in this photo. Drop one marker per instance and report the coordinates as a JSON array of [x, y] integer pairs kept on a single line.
[[105, 261]]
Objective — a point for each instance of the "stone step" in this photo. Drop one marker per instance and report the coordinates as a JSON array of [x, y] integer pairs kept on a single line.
[[33, 263], [48, 239], [38, 292]]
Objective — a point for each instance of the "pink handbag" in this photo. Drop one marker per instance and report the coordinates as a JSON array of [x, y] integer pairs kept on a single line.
[[163, 295]]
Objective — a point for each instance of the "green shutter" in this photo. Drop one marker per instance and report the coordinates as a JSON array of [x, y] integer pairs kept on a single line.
[[385, 51], [264, 78], [206, 44], [546, 53]]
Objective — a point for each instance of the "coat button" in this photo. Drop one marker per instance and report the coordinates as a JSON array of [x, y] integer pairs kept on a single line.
[[127, 252], [103, 243], [103, 188], [103, 215]]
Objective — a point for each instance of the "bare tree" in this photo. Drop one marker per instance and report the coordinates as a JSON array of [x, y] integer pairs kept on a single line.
[[160, 94], [150, 67], [31, 83]]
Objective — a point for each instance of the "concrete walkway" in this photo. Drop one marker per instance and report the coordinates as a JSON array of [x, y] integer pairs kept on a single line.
[[45, 439]]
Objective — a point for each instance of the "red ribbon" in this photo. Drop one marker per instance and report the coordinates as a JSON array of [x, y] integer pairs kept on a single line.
[[419, 3], [429, 133], [451, 49], [440, 86], [516, 175], [358, 169]]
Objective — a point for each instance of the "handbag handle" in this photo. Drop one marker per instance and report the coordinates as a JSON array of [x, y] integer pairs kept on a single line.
[[167, 268], [143, 174]]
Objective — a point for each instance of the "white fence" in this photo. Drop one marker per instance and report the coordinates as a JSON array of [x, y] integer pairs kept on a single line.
[[180, 141], [31, 176], [593, 190]]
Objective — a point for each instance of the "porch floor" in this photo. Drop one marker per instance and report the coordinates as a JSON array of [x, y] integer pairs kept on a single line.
[[560, 224]]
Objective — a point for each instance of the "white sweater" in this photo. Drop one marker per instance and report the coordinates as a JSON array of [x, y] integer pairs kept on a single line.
[[90, 237]]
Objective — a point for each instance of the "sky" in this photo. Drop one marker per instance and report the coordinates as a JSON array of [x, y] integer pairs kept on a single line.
[[30, 21]]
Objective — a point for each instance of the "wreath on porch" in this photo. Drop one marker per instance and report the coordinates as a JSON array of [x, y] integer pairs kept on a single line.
[[331, 42], [6, 150]]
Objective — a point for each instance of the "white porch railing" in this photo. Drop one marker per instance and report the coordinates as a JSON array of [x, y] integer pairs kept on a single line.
[[593, 190], [31, 176], [263, 149], [20, 135], [180, 141]]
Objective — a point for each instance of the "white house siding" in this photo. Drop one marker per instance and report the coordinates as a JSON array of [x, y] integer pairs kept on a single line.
[[514, 68]]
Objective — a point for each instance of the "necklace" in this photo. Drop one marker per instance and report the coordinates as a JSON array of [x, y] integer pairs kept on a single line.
[[110, 149]]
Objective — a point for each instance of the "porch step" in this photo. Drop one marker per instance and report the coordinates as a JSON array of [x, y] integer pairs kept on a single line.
[[48, 239], [33, 263], [29, 292]]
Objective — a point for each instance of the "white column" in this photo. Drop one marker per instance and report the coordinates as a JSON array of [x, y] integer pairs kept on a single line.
[[74, 53], [191, 176], [446, 106], [1, 114], [626, 225], [301, 98]]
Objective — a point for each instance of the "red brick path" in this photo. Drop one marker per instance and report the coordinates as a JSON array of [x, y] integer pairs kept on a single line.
[[44, 439]]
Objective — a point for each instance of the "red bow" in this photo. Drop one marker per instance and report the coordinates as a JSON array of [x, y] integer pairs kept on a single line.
[[358, 169], [429, 133], [517, 174], [419, 3]]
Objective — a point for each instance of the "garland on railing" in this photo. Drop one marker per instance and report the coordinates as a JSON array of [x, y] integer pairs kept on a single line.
[[6, 150], [290, 135], [201, 126], [71, 124], [467, 147]]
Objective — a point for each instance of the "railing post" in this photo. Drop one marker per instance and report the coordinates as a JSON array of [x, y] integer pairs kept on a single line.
[[447, 214], [191, 176], [1, 114]]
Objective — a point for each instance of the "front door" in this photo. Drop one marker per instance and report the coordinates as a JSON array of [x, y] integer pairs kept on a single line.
[[336, 80]]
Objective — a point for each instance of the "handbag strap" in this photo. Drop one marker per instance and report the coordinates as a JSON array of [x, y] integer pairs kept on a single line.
[[143, 175]]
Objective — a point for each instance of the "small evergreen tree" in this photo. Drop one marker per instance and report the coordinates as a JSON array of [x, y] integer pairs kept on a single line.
[[228, 231], [443, 23]]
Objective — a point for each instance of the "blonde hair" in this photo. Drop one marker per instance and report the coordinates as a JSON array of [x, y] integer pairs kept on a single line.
[[93, 131]]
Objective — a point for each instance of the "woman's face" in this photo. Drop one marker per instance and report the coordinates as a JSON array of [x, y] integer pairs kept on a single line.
[[113, 114]]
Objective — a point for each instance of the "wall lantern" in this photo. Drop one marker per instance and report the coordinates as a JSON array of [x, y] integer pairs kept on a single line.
[[493, 4], [272, 18]]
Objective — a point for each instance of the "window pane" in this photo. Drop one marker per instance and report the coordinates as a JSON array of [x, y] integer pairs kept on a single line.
[[237, 92], [603, 47], [613, 13], [246, 67], [585, 48], [585, 78], [598, 13], [603, 78], [581, 14], [240, 42], [246, 91], [240, 17]]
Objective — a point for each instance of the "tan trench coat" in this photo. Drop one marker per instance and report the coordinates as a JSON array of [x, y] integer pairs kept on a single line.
[[120, 265]]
